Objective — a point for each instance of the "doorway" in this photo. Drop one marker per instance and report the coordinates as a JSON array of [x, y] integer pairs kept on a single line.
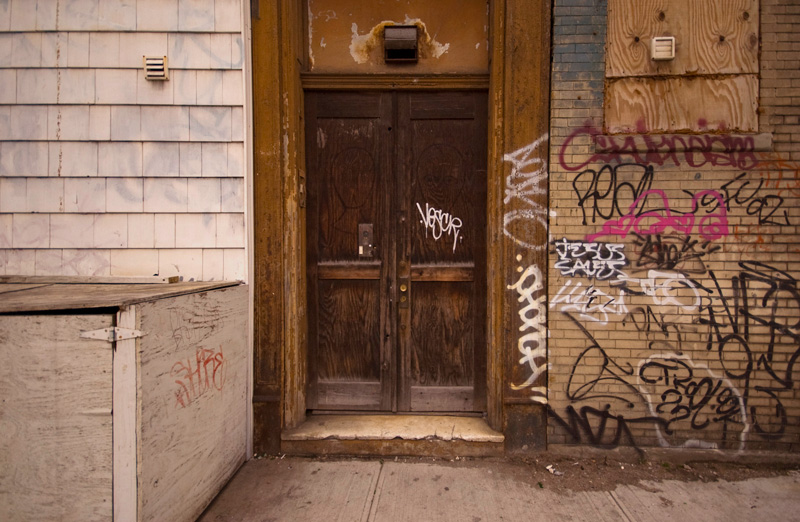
[[396, 251]]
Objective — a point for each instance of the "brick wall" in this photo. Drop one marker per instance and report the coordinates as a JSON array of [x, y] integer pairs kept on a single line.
[[105, 173], [780, 75], [674, 302]]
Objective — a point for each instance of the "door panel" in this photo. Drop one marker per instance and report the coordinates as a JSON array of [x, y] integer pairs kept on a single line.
[[349, 165], [443, 143], [348, 310], [398, 324]]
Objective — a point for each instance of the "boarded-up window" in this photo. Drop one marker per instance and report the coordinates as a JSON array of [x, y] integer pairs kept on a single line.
[[710, 85]]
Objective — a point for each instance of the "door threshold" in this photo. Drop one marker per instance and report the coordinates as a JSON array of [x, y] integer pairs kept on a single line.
[[381, 435]]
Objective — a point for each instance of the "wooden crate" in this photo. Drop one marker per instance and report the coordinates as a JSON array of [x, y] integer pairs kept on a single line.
[[140, 428]]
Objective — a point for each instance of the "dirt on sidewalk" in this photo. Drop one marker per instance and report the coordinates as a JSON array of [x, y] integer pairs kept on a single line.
[[601, 472]]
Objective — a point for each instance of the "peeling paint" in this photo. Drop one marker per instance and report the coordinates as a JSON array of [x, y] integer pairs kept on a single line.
[[310, 37], [362, 45], [329, 15]]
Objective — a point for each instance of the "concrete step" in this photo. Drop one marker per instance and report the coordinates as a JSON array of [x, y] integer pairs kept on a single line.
[[392, 435]]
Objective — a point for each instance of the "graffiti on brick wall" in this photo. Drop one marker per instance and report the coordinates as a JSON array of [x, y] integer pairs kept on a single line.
[[648, 218], [754, 346], [592, 260], [766, 199], [667, 392], [685, 254], [753, 327], [768, 208], [704, 349], [695, 151], [587, 300], [677, 390]]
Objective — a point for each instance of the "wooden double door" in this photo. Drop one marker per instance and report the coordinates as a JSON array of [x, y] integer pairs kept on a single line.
[[396, 251]]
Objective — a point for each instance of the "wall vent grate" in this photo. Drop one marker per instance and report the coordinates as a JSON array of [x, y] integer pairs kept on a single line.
[[155, 68], [662, 48]]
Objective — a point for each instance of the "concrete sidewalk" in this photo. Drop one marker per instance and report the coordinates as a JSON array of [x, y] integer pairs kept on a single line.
[[298, 489]]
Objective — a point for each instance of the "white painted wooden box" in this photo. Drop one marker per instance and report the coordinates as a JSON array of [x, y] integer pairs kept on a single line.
[[141, 428]]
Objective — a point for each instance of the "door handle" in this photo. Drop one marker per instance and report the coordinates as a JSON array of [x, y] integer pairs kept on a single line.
[[405, 295]]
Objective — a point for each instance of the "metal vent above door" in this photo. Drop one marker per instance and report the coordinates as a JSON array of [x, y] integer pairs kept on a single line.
[[400, 44]]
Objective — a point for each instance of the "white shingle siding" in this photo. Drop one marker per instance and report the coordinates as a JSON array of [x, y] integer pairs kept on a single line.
[[105, 173]]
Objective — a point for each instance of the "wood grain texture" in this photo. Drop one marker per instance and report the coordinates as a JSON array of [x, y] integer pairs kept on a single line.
[[358, 395], [526, 91], [126, 429], [348, 332], [712, 36], [442, 398], [193, 401], [723, 36], [442, 337], [420, 158], [108, 280], [80, 296], [442, 153], [392, 82], [643, 105], [631, 26], [348, 142], [55, 419], [16, 287], [269, 220]]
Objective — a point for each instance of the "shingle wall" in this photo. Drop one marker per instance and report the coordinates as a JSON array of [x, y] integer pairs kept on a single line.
[[105, 173]]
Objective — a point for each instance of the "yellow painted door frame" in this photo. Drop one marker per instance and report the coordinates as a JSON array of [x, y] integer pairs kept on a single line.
[[519, 85]]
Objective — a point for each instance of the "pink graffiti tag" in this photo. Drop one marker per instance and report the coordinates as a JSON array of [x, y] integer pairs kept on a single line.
[[711, 226], [717, 150], [196, 378]]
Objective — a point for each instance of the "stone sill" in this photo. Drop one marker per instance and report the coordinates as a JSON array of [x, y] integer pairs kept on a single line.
[[391, 427]]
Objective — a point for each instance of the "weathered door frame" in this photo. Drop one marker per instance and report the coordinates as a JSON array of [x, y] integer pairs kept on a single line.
[[519, 84]]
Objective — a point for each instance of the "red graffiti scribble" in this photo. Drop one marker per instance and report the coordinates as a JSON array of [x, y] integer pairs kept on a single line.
[[196, 378], [748, 240], [780, 174], [713, 225], [717, 150], [764, 198]]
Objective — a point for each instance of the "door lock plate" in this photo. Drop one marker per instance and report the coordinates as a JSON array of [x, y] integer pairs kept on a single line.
[[365, 240]]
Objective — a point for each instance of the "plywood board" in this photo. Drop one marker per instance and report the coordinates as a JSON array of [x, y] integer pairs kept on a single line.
[[72, 280], [723, 36], [126, 427], [631, 26], [16, 287], [711, 36], [84, 296], [55, 419], [193, 400], [643, 105]]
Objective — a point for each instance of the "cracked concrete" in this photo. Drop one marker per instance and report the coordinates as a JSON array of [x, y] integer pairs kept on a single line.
[[294, 489]]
